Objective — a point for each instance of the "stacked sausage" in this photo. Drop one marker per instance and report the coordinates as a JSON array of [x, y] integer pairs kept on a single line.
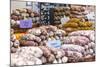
[[14, 42], [81, 44], [75, 24], [76, 46], [22, 14], [77, 11]]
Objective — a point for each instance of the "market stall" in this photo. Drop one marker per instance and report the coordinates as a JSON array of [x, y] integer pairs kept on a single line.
[[56, 33]]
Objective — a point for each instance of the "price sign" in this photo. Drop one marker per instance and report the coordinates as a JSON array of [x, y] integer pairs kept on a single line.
[[25, 23], [54, 43], [64, 20]]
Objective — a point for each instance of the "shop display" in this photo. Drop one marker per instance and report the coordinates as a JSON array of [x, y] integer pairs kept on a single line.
[[19, 16], [58, 12], [47, 13], [76, 24], [14, 42], [57, 33]]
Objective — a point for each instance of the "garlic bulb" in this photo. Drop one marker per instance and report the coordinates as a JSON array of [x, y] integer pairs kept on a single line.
[[86, 47], [55, 61], [37, 52], [16, 43], [43, 37], [60, 32], [17, 22], [12, 31], [13, 22], [37, 39], [37, 61], [51, 58], [59, 60], [64, 59], [16, 60], [30, 62], [90, 51], [17, 12], [32, 37], [37, 32], [92, 37], [51, 34], [91, 45], [13, 50], [11, 43], [27, 55], [60, 53], [34, 51], [43, 59], [13, 37]]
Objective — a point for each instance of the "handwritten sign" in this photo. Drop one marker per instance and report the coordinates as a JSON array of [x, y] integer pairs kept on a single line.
[[25, 23], [54, 43], [91, 16], [64, 20]]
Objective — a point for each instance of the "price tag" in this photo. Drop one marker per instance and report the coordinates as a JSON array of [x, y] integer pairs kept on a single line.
[[64, 20], [91, 16], [25, 23], [54, 43]]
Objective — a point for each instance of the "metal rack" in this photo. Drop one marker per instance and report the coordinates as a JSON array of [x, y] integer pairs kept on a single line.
[[47, 12]]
